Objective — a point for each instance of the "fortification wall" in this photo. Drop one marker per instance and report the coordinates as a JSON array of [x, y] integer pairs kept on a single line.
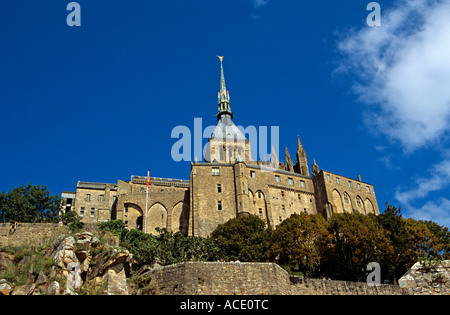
[[302, 286], [221, 278], [26, 233], [252, 279]]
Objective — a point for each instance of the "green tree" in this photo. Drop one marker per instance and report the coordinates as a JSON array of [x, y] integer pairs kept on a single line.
[[29, 203], [442, 239], [245, 239], [410, 239], [358, 240], [301, 241], [73, 220]]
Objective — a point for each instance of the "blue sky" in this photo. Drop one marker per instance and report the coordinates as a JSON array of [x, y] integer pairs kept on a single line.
[[98, 102]]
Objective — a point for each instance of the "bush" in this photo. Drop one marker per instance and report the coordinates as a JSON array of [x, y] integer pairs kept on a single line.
[[144, 247], [117, 227], [244, 239]]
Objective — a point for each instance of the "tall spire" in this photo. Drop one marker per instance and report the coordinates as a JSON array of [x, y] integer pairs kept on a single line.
[[224, 95], [302, 162]]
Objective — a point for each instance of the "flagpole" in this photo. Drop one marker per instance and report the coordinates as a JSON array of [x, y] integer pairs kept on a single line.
[[146, 203]]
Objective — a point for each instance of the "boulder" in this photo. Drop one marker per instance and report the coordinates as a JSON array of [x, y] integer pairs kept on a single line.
[[64, 255], [52, 288], [25, 289], [5, 288], [116, 280]]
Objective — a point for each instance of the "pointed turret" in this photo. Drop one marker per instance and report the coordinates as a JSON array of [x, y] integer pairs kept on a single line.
[[224, 95], [302, 162], [289, 162], [274, 162], [315, 168]]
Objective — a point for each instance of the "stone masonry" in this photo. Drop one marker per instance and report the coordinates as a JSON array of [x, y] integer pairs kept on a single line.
[[209, 278]]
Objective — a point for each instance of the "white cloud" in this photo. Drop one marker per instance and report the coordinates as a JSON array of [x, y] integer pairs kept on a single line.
[[403, 70], [438, 212], [259, 3], [438, 179]]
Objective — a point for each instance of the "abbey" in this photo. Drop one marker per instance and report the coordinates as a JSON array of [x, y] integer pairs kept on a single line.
[[228, 184]]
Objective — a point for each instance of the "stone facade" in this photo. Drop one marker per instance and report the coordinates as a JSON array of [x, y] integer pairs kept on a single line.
[[227, 185]]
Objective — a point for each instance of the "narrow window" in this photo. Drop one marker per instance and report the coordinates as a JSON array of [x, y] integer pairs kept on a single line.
[[219, 188], [101, 198], [338, 181], [299, 198], [252, 174], [328, 177], [219, 205], [260, 212], [290, 181], [282, 194], [277, 178], [368, 189], [302, 183], [81, 211], [359, 186], [215, 171], [279, 218], [88, 197], [92, 212], [350, 185], [283, 208]]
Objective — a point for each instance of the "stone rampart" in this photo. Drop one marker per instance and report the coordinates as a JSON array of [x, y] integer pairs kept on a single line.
[[304, 286], [252, 279], [26, 233]]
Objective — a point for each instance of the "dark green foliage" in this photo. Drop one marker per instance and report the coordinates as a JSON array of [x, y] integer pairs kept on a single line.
[[300, 243], [72, 219], [29, 203], [166, 248], [117, 227], [358, 239], [245, 239], [144, 247]]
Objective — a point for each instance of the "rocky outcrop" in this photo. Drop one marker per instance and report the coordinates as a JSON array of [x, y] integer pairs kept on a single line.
[[82, 264], [427, 280]]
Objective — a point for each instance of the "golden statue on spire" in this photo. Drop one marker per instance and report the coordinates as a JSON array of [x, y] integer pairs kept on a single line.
[[220, 57]]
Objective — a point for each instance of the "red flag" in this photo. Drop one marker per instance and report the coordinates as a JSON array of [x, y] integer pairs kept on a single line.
[[148, 179]]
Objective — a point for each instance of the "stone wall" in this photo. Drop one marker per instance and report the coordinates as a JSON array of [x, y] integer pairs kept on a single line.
[[29, 232], [252, 279], [302, 286], [208, 278], [420, 281]]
